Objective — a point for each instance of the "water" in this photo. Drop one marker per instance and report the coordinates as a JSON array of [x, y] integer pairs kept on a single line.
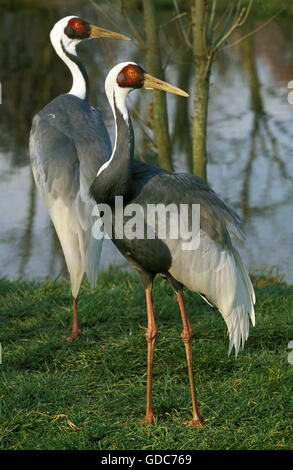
[[250, 133]]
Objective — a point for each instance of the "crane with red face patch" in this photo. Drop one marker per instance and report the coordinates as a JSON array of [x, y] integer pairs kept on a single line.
[[68, 144], [213, 268]]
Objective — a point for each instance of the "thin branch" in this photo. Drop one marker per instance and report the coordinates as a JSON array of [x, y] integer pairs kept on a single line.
[[181, 25], [107, 52], [246, 15], [140, 156], [222, 21], [252, 32], [222, 34], [134, 31], [114, 24], [102, 11], [135, 113], [237, 22], [142, 126], [231, 30], [213, 13], [206, 22], [132, 26], [209, 61], [212, 22], [237, 12], [175, 18]]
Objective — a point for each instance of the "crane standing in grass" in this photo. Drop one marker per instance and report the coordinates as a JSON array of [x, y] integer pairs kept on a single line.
[[214, 269], [68, 144]]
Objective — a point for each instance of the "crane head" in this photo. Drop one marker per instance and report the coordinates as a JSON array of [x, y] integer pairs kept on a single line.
[[132, 76], [75, 29]]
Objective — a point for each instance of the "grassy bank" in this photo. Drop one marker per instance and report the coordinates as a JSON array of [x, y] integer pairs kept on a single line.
[[90, 394]]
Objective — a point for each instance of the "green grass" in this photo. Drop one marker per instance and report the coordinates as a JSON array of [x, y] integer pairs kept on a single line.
[[90, 394]]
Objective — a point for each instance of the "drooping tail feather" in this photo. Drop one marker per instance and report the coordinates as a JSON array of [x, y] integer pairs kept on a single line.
[[220, 277], [92, 259], [237, 320]]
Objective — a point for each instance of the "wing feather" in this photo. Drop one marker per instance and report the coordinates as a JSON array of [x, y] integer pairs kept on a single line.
[[215, 269], [68, 144]]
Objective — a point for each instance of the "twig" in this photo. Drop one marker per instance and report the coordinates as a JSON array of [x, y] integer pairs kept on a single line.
[[107, 53], [252, 32], [226, 23], [237, 12], [70, 423], [102, 11], [212, 22], [142, 127], [181, 24], [135, 112], [208, 64], [222, 19], [206, 22], [233, 27], [172, 19], [132, 26], [246, 15]]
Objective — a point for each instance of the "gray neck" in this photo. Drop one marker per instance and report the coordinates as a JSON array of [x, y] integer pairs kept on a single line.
[[114, 178]]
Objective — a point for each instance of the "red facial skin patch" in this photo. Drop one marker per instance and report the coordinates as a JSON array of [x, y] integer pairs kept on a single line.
[[131, 76], [77, 29], [78, 25]]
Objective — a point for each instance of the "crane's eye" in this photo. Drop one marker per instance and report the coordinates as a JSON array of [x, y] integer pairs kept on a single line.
[[131, 76], [77, 29]]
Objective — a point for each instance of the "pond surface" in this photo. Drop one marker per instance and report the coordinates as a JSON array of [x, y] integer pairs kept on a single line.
[[250, 132]]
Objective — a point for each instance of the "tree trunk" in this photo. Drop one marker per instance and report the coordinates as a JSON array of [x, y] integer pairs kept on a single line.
[[181, 140], [202, 83], [159, 104]]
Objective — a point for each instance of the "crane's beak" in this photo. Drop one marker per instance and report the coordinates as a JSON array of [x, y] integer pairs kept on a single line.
[[96, 32], [156, 83]]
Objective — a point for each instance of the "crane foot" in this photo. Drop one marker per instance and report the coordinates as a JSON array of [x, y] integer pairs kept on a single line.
[[194, 422], [76, 334], [148, 420]]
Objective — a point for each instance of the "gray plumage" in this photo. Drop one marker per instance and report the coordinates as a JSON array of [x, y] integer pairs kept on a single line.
[[214, 270], [68, 144]]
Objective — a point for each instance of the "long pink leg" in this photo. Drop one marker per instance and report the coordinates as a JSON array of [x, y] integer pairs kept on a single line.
[[187, 339], [150, 335], [75, 330]]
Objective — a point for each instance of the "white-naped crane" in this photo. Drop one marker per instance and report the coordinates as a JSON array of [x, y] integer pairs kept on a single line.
[[68, 144], [214, 269]]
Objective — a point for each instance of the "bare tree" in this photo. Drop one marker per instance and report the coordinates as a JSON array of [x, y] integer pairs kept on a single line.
[[159, 105], [210, 26], [210, 33]]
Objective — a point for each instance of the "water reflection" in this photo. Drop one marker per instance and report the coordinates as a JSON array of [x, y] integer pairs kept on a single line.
[[255, 151], [264, 140], [250, 134]]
